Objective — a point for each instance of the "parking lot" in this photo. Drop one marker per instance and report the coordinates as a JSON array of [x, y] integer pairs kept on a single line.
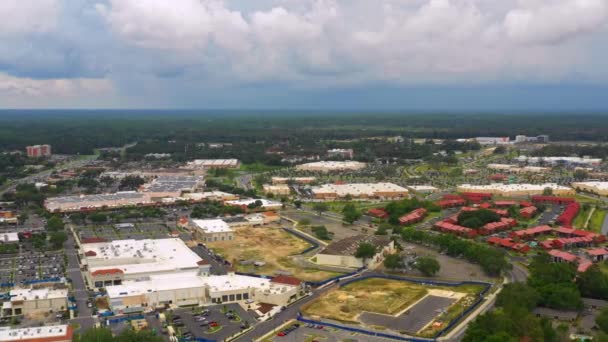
[[29, 266], [137, 231], [199, 323], [311, 333], [416, 318]]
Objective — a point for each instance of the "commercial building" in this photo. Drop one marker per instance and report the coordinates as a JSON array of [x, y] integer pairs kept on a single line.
[[278, 190], [264, 204], [173, 186], [594, 187], [296, 180], [516, 189], [216, 196], [148, 274], [342, 253], [38, 151], [35, 301], [198, 288], [570, 161], [492, 140], [516, 169], [214, 164], [48, 333], [331, 166], [9, 237], [360, 191], [94, 202], [212, 230], [520, 139], [111, 263], [341, 152]]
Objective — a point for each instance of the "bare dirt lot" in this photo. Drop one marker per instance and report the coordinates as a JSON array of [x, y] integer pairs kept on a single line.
[[394, 304], [272, 246], [372, 295]]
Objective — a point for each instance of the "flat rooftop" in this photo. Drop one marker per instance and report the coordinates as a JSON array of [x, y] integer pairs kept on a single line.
[[212, 226], [214, 163], [597, 185], [349, 245], [43, 333], [515, 187], [332, 165], [31, 294], [188, 280], [174, 183], [141, 256], [357, 189]]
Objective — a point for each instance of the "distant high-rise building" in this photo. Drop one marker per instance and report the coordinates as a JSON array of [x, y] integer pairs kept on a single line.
[[38, 151]]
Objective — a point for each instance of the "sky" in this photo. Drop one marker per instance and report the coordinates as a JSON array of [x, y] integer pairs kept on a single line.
[[305, 54]]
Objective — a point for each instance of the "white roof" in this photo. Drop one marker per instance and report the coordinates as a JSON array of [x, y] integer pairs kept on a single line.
[[9, 237], [357, 189], [48, 331], [206, 194], [31, 294], [247, 201], [185, 280], [423, 188], [578, 160], [214, 162], [212, 226], [141, 256], [515, 187], [332, 165], [602, 186]]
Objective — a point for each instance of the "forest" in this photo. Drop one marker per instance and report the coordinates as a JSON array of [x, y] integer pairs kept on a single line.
[[80, 132]]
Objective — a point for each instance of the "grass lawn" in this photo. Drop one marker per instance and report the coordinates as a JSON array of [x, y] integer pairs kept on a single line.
[[274, 246], [581, 218], [381, 296], [258, 167], [597, 220]]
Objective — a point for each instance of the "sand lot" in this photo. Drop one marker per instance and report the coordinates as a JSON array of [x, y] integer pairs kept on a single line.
[[273, 246]]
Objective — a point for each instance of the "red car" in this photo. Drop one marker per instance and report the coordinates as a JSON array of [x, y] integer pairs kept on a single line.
[[282, 333], [213, 324]]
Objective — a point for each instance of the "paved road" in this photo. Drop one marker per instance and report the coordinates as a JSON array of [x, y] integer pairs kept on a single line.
[[290, 312], [43, 175], [216, 267], [605, 226], [84, 319]]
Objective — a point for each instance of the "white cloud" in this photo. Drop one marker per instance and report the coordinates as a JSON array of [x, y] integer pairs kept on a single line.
[[176, 24], [28, 16], [62, 88], [554, 21], [187, 45]]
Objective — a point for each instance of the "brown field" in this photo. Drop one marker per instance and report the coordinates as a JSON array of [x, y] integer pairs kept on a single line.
[[273, 246], [373, 295], [383, 296]]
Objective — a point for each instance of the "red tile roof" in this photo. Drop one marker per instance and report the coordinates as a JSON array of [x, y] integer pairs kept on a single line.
[[597, 251], [90, 254], [584, 266], [283, 279], [107, 272], [562, 255]]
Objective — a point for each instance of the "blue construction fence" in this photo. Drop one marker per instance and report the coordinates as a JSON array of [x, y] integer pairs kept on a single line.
[[197, 339], [119, 319], [314, 244], [7, 284], [453, 323], [365, 332]]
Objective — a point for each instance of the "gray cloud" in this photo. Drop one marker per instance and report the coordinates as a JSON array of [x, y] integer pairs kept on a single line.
[[307, 44]]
